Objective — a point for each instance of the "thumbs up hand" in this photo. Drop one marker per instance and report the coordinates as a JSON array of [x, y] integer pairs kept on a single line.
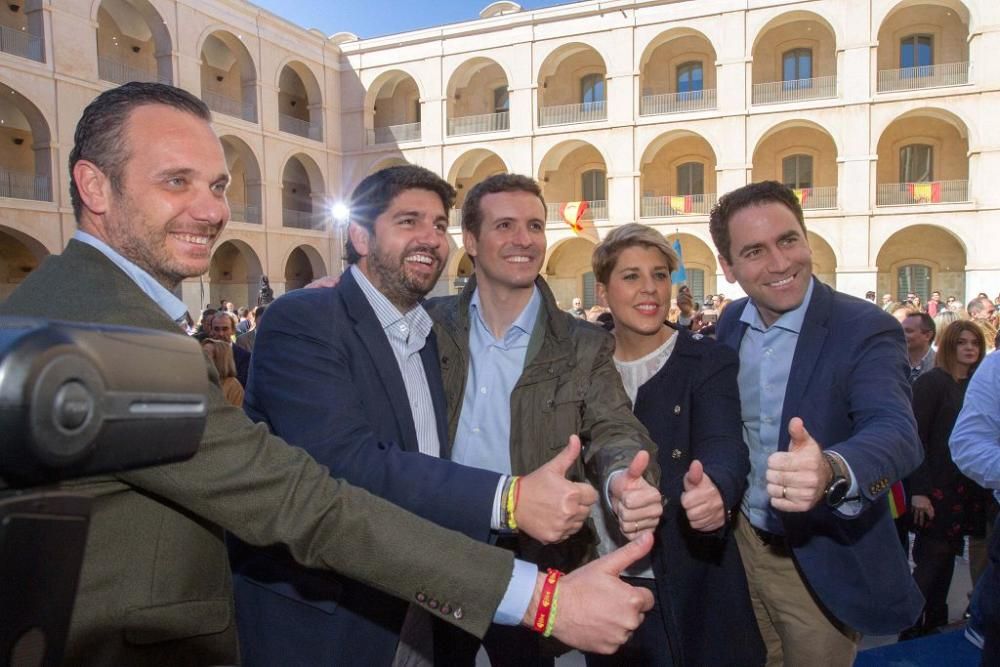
[[550, 508], [797, 479], [701, 500], [637, 504], [598, 612]]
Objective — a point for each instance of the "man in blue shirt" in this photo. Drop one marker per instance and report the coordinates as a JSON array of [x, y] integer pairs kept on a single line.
[[522, 375], [826, 414]]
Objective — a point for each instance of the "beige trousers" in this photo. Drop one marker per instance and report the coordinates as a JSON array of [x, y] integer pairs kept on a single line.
[[796, 630]]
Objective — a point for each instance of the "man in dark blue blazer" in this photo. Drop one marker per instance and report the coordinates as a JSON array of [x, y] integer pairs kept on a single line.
[[351, 374], [826, 414]]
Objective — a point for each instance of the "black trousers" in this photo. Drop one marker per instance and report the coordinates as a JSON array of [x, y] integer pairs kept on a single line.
[[934, 565], [990, 603]]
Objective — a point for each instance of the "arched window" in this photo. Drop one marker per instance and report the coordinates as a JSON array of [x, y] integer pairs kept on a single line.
[[916, 163], [696, 281], [501, 99], [691, 179], [589, 295], [690, 80], [593, 184], [592, 89], [915, 278], [797, 69], [797, 171]]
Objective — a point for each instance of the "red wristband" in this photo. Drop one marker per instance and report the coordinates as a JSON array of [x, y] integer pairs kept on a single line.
[[545, 600]]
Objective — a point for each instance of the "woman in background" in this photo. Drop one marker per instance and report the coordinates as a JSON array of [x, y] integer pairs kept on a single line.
[[684, 390], [946, 504]]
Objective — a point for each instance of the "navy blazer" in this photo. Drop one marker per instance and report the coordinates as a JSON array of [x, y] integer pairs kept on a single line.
[[848, 383], [692, 410], [325, 378]]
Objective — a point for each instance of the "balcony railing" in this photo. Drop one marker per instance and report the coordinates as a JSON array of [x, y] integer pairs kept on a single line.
[[222, 103], [24, 185], [302, 128], [928, 76], [794, 90], [394, 134], [20, 43], [244, 213], [596, 210], [817, 198], [932, 192], [655, 105], [115, 71], [671, 205], [564, 114], [304, 219], [487, 122]]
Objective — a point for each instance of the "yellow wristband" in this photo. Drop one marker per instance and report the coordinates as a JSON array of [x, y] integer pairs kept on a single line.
[[511, 503]]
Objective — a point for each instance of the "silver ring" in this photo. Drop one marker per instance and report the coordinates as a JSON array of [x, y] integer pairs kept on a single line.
[[784, 492]]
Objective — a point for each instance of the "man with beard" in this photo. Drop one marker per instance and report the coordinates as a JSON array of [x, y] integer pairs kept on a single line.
[[350, 373], [148, 188]]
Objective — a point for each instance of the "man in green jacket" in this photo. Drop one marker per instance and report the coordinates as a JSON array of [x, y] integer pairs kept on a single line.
[[148, 189], [521, 376]]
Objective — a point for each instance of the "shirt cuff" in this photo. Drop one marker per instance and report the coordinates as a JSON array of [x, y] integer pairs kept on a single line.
[[607, 488], [853, 506], [496, 522], [518, 596]]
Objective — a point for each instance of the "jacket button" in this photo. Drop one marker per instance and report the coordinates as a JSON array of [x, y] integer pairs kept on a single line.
[[676, 454], [421, 598], [433, 604], [458, 614], [446, 609], [549, 403], [677, 409]]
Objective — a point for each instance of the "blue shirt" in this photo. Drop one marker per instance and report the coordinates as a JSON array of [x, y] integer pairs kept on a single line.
[[975, 440], [163, 297], [766, 354], [482, 438]]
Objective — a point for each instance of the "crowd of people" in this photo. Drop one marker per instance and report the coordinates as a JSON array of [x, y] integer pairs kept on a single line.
[[683, 484]]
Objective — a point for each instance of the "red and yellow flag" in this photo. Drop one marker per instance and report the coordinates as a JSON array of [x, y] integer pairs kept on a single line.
[[572, 212], [802, 194], [683, 204], [924, 193]]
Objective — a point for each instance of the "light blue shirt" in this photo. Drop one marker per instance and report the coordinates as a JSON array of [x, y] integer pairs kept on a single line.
[[766, 355], [164, 298], [975, 440], [495, 365]]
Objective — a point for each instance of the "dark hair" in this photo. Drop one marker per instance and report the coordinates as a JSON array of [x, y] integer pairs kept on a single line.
[[754, 194], [258, 312], [926, 323], [472, 213], [100, 134], [375, 193]]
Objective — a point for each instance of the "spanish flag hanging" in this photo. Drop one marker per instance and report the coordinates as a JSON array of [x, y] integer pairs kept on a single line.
[[572, 212], [923, 193], [802, 194], [683, 204], [897, 500]]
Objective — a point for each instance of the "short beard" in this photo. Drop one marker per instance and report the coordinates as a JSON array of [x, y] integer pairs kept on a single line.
[[393, 281]]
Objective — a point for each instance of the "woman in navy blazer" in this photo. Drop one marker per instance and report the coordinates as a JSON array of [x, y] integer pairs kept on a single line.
[[684, 390]]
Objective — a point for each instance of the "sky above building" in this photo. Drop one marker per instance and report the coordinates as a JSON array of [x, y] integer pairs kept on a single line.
[[373, 18]]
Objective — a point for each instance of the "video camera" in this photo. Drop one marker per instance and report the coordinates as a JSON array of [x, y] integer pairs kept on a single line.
[[77, 401]]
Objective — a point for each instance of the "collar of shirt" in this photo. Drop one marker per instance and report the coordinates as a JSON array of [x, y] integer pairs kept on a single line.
[[524, 324], [414, 326], [790, 321], [163, 297]]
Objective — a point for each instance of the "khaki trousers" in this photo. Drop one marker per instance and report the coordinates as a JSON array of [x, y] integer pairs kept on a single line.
[[796, 631]]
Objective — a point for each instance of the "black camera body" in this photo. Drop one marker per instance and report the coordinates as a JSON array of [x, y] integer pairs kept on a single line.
[[77, 401]]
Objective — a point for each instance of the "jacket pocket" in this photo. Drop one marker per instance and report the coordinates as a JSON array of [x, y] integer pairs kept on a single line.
[[179, 620]]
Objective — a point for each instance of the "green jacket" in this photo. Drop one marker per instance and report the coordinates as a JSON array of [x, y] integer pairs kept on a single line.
[[155, 585], [569, 385]]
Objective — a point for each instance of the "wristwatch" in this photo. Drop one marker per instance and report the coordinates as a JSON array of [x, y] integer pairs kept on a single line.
[[840, 482]]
